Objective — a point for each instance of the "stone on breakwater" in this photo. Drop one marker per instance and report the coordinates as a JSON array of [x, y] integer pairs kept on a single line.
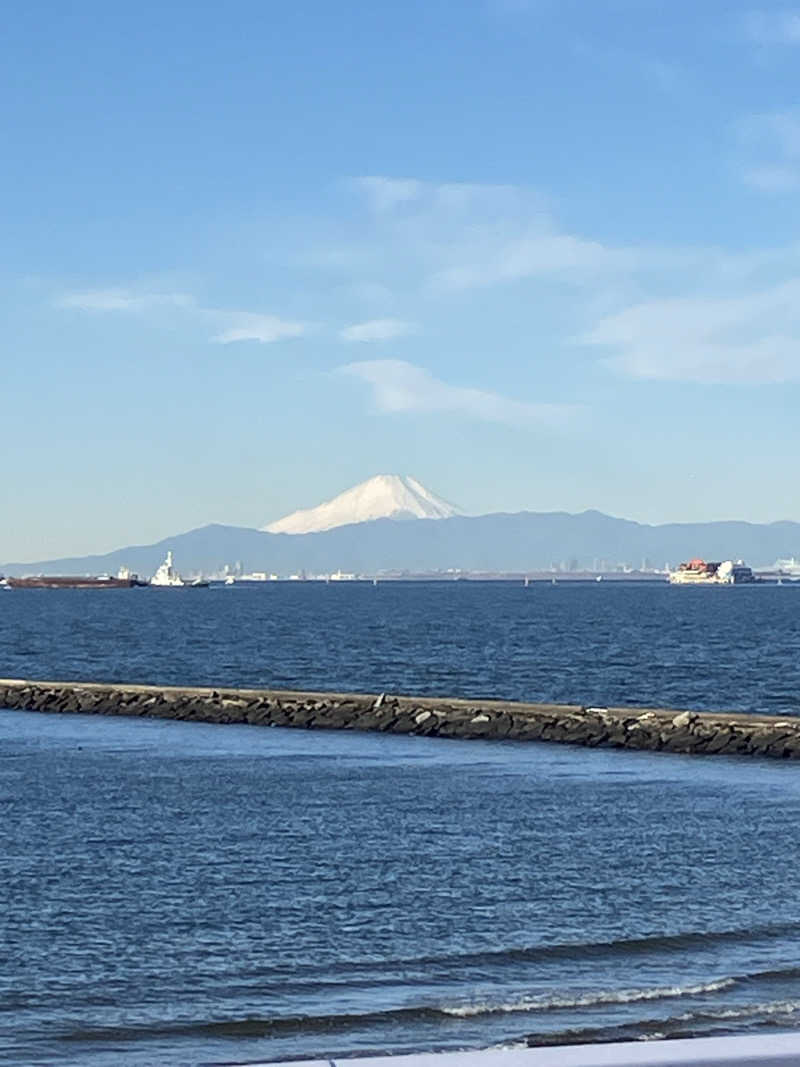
[[708, 733]]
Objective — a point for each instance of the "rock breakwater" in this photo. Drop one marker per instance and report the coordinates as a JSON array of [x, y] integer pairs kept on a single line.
[[654, 729]]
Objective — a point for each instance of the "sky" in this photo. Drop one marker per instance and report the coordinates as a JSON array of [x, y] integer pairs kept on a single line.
[[538, 254]]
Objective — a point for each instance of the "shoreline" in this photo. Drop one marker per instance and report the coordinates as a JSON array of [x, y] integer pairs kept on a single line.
[[648, 729]]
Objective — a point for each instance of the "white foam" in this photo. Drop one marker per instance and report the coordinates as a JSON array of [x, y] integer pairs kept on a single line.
[[747, 1011], [587, 1000]]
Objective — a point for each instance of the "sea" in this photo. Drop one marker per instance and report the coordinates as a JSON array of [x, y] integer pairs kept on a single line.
[[183, 893]]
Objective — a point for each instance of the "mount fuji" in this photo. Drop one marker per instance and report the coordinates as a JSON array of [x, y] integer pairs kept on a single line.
[[386, 496]]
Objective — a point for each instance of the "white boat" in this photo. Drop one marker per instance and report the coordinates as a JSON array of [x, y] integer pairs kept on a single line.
[[788, 568], [166, 575]]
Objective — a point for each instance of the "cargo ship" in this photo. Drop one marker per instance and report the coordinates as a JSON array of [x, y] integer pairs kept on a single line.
[[124, 580], [66, 581], [700, 572]]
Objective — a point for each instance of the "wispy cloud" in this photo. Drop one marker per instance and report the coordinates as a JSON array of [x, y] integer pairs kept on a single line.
[[662, 313], [121, 300], [457, 236], [678, 313], [377, 330], [232, 326], [385, 194], [401, 387], [246, 326], [572, 259], [772, 27], [746, 340]]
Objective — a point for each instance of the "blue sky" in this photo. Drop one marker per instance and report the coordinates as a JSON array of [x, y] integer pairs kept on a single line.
[[537, 254]]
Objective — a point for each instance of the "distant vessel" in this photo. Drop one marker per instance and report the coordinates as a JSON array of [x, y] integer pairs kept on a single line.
[[167, 577], [69, 581], [699, 572], [788, 568]]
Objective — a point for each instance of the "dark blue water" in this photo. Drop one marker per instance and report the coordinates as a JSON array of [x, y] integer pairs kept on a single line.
[[175, 893], [181, 893], [732, 648]]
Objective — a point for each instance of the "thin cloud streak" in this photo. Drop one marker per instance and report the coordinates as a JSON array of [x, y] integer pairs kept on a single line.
[[399, 387], [233, 326], [385, 194], [121, 300], [377, 330], [266, 329]]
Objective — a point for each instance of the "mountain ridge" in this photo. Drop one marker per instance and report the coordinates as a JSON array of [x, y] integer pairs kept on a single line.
[[515, 541]]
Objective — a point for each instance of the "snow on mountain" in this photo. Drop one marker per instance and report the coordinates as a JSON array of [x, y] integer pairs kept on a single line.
[[386, 496]]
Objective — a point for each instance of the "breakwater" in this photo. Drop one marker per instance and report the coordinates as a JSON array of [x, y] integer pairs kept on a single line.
[[653, 729]]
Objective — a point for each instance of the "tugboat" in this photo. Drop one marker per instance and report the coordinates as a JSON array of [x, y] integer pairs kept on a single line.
[[166, 577]]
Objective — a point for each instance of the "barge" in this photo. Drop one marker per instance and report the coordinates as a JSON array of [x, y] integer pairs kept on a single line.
[[66, 581]]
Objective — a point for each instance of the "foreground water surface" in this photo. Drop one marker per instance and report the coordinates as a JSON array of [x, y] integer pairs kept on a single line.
[[180, 893], [734, 648]]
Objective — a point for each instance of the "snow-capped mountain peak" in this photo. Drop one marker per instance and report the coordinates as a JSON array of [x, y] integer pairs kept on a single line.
[[386, 496]]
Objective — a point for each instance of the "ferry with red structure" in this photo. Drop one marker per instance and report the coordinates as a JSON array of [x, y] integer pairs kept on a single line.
[[699, 572]]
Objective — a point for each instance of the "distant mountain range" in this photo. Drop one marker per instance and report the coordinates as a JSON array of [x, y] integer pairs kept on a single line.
[[522, 542]]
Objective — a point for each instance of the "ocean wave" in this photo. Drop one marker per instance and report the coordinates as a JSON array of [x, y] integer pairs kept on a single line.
[[515, 954], [747, 1011], [588, 1000], [284, 1026], [770, 975], [622, 946], [689, 1024]]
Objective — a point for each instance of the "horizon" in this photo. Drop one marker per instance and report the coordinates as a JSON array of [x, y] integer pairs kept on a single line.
[[545, 256], [164, 541]]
